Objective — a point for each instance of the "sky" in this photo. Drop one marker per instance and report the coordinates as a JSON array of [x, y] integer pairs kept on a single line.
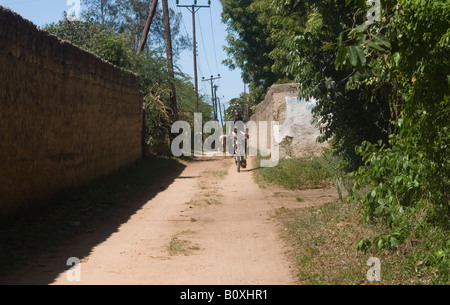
[[210, 35]]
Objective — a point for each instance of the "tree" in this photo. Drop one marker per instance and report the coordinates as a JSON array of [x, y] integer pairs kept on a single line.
[[248, 45], [118, 49], [236, 105], [347, 115], [412, 174], [80, 33], [103, 12], [129, 17]]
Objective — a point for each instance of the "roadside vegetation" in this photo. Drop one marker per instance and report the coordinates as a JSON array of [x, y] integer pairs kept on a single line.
[[306, 173], [379, 71], [329, 241], [112, 31], [325, 239]]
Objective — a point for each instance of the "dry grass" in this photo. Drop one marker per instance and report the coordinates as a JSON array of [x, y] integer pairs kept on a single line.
[[324, 241], [178, 246]]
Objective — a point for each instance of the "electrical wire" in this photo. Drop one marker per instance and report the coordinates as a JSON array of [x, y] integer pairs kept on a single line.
[[213, 40], [203, 43], [178, 11]]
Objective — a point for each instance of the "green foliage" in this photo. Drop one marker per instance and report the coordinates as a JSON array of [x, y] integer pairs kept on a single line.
[[118, 49], [80, 33], [383, 103], [301, 173], [238, 105], [334, 167], [129, 16], [406, 183], [255, 43], [114, 48], [347, 116]]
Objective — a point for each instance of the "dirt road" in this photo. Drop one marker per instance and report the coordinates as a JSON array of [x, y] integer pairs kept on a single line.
[[211, 225]]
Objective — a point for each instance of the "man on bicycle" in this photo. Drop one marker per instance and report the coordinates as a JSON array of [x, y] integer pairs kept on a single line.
[[237, 118]]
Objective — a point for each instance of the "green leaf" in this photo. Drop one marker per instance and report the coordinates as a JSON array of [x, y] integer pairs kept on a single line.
[[379, 210], [340, 57], [361, 57], [359, 29], [381, 39], [363, 245], [329, 46], [374, 45], [394, 242], [352, 55], [380, 244], [397, 58]]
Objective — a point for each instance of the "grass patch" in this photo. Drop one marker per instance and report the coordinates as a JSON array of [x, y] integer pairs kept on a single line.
[[193, 202], [282, 194], [324, 240], [299, 199], [219, 173], [179, 246], [210, 201], [305, 173], [294, 173]]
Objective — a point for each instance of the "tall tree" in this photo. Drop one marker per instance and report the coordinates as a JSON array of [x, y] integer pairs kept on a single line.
[[130, 16], [103, 12], [148, 23], [248, 47], [347, 115], [168, 39]]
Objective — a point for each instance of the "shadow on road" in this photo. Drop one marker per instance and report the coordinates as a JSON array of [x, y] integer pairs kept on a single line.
[[34, 247]]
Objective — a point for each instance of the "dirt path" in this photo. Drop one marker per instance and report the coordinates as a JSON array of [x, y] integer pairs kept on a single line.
[[212, 225]]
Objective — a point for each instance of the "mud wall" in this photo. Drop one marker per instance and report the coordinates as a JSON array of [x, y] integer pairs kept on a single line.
[[297, 136], [66, 116]]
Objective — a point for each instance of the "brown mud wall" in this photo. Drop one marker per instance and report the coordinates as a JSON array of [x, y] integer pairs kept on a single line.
[[66, 116]]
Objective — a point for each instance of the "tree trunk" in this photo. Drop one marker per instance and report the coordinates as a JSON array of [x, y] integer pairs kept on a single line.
[[168, 38], [147, 26]]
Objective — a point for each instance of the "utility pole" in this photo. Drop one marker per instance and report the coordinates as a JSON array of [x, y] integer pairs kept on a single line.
[[168, 38], [220, 111], [218, 106], [215, 102], [212, 93], [245, 103], [147, 27], [193, 8]]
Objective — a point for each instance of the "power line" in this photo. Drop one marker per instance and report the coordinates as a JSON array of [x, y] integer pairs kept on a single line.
[[213, 40], [203, 44], [193, 8], [177, 10]]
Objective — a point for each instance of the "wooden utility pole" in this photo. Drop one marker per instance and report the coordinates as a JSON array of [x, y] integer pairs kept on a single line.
[[168, 38], [195, 59], [245, 103], [210, 80], [147, 27], [193, 9]]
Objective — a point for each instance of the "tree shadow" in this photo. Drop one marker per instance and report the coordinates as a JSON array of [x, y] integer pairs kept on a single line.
[[35, 246]]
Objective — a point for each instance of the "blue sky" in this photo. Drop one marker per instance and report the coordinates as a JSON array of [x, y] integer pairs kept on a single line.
[[210, 46]]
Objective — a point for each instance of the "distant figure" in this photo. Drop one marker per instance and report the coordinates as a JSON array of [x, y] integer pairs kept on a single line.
[[236, 118]]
